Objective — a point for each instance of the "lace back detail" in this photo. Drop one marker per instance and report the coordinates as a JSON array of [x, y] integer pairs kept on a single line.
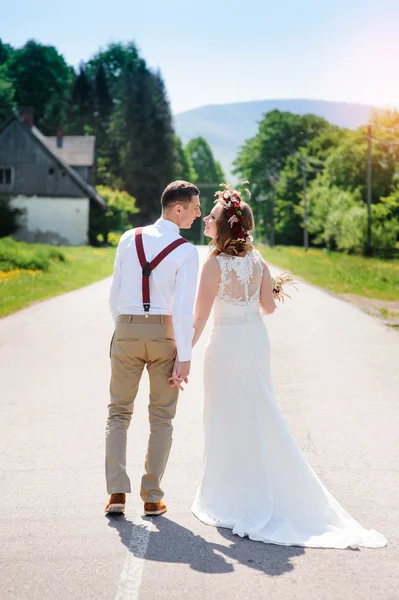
[[241, 279]]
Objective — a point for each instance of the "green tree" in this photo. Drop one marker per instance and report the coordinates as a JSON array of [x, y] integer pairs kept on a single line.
[[208, 176], [118, 217], [338, 218], [40, 77], [114, 60], [137, 151], [289, 187], [5, 52], [7, 92], [143, 127], [263, 157], [346, 170], [111, 95], [346, 167], [385, 224], [162, 136], [80, 117], [7, 104], [206, 168], [103, 100], [184, 168], [102, 116], [137, 169]]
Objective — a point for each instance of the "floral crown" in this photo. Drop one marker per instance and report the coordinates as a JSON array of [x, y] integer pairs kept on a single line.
[[230, 199]]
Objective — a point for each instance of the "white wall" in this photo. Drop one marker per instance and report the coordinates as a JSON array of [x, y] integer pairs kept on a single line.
[[54, 220]]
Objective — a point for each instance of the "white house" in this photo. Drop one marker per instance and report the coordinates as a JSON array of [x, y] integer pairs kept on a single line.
[[50, 178]]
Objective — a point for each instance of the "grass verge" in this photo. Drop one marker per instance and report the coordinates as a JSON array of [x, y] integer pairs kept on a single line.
[[337, 272], [32, 272]]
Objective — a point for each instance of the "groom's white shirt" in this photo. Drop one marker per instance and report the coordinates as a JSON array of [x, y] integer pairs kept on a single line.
[[172, 284]]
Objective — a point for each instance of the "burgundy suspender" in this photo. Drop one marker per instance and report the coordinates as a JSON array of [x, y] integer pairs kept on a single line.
[[147, 267]]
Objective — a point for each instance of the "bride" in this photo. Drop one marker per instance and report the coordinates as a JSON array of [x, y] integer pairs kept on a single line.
[[255, 480]]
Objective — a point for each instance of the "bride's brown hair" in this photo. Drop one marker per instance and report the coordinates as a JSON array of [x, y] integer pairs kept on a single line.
[[225, 241]]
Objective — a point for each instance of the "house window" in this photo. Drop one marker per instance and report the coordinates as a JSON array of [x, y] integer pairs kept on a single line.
[[6, 176]]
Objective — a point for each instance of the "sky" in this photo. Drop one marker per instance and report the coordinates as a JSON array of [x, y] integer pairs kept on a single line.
[[213, 52]]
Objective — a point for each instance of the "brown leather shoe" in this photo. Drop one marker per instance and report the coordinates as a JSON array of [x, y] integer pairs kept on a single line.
[[116, 503], [154, 508]]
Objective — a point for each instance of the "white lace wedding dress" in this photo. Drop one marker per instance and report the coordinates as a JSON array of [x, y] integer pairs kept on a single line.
[[256, 481]]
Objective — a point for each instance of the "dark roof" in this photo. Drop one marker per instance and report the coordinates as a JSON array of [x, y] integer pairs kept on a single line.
[[41, 139]]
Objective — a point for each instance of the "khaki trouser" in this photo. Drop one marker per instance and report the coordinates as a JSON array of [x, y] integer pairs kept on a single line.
[[140, 342]]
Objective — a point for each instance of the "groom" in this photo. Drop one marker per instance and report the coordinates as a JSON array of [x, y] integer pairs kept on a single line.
[[151, 300]]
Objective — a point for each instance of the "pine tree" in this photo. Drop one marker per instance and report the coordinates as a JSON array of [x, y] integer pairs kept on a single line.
[[147, 149], [114, 59], [80, 118], [103, 100], [102, 103], [208, 170], [136, 152], [5, 52], [184, 168], [108, 70], [163, 136], [209, 175]]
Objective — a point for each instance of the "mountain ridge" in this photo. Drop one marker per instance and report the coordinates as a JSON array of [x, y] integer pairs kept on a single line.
[[227, 126]]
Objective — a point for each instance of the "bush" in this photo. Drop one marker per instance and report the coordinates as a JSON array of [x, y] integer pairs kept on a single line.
[[351, 235], [121, 207], [338, 219], [384, 234], [113, 238], [9, 217], [22, 255], [385, 224]]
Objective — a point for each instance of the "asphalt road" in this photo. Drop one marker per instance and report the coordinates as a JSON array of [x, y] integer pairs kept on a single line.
[[336, 375]]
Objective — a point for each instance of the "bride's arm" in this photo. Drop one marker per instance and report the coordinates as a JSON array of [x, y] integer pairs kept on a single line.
[[266, 300], [208, 287]]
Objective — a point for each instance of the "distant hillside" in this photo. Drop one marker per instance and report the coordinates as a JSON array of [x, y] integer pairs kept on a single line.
[[227, 126]]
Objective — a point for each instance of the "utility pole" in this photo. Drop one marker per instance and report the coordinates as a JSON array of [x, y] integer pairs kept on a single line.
[[368, 242], [305, 206]]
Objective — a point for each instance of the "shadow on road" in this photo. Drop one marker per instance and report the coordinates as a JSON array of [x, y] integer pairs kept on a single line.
[[175, 544]]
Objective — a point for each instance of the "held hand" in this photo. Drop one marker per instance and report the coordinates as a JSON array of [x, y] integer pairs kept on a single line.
[[183, 370], [180, 373], [173, 380]]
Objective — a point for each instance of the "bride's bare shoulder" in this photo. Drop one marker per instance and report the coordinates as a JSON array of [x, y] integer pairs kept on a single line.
[[211, 268], [260, 256], [211, 265], [210, 273], [264, 263]]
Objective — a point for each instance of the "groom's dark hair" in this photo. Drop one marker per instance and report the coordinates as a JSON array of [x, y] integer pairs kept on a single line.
[[178, 192]]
